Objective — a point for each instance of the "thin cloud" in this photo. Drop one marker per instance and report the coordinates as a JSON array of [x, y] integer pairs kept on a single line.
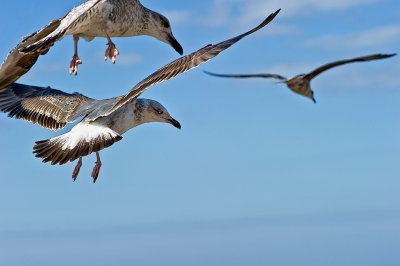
[[130, 59], [369, 75], [247, 12], [374, 37], [177, 17]]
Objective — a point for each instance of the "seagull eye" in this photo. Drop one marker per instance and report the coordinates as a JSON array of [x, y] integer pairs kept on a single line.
[[165, 22]]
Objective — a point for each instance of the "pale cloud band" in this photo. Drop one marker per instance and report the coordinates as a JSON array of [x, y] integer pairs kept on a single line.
[[369, 38], [247, 12]]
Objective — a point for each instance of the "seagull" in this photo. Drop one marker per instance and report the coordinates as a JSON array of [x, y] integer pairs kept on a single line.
[[109, 18], [300, 84], [104, 121], [95, 18]]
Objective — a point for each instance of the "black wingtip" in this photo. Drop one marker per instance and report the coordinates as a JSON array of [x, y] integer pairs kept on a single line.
[[383, 56], [212, 74], [272, 16], [275, 13], [390, 55]]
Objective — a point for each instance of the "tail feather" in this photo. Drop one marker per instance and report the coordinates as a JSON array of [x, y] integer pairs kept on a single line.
[[81, 141]]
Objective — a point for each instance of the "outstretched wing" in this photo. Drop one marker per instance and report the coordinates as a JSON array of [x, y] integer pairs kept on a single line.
[[17, 63], [68, 20], [50, 108], [182, 65], [323, 68], [275, 76], [21, 59]]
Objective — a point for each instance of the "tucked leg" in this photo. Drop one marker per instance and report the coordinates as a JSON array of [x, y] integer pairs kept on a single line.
[[73, 67], [96, 169], [77, 169], [111, 51]]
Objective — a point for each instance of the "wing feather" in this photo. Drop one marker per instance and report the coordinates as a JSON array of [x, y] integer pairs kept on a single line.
[[323, 68], [50, 108], [16, 63], [275, 76]]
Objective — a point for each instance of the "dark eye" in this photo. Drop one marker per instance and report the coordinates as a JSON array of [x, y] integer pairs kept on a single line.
[[160, 112], [165, 22]]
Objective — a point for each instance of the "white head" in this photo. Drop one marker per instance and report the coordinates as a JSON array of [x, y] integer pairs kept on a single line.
[[147, 111], [160, 28]]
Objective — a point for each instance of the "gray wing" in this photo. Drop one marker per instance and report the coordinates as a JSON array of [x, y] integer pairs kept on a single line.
[[275, 76], [21, 59], [17, 63], [68, 20], [182, 65], [323, 68], [50, 108]]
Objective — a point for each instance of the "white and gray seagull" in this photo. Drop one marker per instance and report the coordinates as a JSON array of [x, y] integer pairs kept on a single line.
[[109, 18], [104, 121], [93, 18], [300, 84]]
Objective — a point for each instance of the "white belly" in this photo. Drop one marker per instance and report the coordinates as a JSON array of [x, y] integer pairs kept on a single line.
[[117, 18]]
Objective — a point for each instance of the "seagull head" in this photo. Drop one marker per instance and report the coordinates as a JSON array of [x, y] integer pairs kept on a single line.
[[160, 28], [155, 112]]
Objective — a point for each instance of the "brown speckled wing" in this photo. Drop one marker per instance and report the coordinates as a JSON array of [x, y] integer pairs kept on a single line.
[[17, 63], [262, 75], [323, 68], [50, 108]]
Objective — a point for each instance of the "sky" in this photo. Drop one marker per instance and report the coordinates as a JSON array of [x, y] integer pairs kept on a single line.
[[257, 175]]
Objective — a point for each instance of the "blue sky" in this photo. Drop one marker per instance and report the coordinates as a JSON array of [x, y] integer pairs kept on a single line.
[[257, 175]]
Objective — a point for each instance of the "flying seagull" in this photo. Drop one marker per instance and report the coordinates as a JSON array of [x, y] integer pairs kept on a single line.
[[301, 83], [93, 18], [109, 18], [104, 121]]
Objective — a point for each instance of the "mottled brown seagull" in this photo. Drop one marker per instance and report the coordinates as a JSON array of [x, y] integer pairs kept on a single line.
[[104, 121], [300, 84]]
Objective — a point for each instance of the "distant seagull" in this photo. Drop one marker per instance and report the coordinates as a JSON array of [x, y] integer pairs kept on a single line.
[[104, 121], [301, 83]]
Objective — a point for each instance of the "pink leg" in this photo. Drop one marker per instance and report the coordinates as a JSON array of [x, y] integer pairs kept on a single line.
[[77, 169], [111, 51], [96, 169], [73, 67]]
